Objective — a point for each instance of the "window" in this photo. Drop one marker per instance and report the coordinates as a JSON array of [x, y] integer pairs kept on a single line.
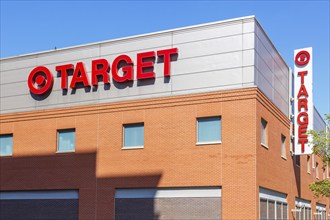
[[283, 153], [66, 140], [317, 170], [6, 145], [264, 141], [208, 130], [134, 135], [308, 164], [323, 173], [303, 209], [297, 160], [320, 213], [273, 205]]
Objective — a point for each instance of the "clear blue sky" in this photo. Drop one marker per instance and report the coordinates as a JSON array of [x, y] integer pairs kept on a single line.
[[33, 26]]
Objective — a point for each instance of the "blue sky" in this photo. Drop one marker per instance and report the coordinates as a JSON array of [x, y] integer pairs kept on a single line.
[[33, 26]]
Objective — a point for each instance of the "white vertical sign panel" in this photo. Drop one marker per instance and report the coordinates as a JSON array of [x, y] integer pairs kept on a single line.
[[303, 96]]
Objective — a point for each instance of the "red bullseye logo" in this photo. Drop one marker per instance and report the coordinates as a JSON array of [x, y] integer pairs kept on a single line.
[[302, 58], [40, 80]]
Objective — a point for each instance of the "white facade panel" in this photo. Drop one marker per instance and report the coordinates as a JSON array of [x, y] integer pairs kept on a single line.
[[248, 57], [207, 32], [207, 63], [72, 56], [18, 63], [248, 41], [209, 46], [248, 26], [207, 79], [249, 74], [14, 76], [140, 44], [14, 89], [17, 103], [159, 85]]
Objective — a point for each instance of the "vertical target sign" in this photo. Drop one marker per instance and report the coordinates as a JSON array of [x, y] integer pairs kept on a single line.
[[303, 96]]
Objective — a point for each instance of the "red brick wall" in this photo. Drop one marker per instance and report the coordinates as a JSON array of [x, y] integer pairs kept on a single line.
[[170, 157]]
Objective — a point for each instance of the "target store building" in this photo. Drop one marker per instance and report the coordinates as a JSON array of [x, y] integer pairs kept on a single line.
[[190, 123]]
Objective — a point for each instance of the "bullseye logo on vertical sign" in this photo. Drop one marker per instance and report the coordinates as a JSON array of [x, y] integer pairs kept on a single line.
[[303, 106], [40, 80]]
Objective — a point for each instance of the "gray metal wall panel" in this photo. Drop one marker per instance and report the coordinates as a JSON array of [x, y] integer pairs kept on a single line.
[[265, 86], [273, 73], [318, 123]]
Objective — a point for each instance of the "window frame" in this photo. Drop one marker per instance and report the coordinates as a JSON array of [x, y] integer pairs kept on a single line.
[[12, 144], [264, 129], [283, 147], [297, 160], [58, 151], [309, 170], [197, 130], [123, 137]]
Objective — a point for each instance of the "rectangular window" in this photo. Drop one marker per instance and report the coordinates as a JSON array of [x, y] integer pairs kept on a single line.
[[209, 130], [283, 146], [297, 160], [303, 209], [272, 204], [6, 145], [264, 141], [308, 164], [317, 170], [134, 135], [66, 140]]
